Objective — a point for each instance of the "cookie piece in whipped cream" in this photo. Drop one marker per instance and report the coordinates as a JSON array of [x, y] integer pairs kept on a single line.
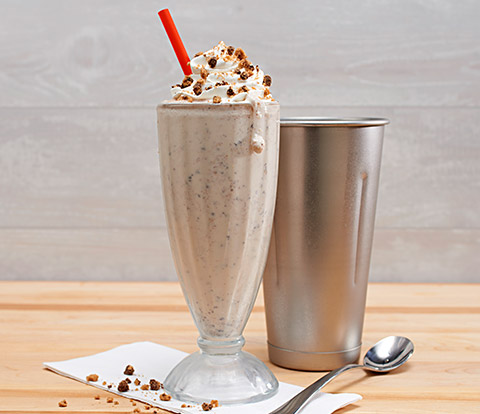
[[225, 73]]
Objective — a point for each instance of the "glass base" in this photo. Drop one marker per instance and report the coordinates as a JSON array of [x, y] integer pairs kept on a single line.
[[221, 371]]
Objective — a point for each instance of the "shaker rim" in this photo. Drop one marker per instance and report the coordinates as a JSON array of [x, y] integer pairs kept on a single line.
[[336, 122]]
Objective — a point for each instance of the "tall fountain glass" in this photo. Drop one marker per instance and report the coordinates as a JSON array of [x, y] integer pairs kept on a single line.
[[219, 200]]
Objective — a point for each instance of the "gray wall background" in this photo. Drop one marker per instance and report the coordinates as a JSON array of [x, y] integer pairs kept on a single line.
[[80, 194]]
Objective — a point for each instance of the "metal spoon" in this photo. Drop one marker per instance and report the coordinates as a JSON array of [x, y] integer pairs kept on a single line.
[[384, 356]]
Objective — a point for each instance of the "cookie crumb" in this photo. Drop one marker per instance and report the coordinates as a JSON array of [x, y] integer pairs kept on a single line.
[[109, 400], [240, 54], [184, 98], [92, 378], [187, 81], [230, 92], [109, 386], [266, 92], [212, 62], [197, 54], [165, 397], [129, 370], [243, 89], [137, 382], [206, 406], [104, 383], [116, 403], [197, 89], [147, 407], [145, 387], [217, 99], [230, 50], [128, 380], [63, 403], [245, 64], [155, 385], [96, 397], [183, 406], [123, 386], [267, 80], [203, 73], [214, 403]]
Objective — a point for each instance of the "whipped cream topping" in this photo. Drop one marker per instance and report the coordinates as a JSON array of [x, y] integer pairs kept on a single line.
[[224, 74]]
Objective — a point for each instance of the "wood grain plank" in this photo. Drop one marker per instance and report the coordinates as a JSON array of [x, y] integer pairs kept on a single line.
[[421, 255], [99, 167], [431, 370], [381, 297], [81, 405], [338, 53], [452, 349], [453, 339]]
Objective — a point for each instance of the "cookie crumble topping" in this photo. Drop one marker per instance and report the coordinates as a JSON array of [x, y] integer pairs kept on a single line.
[[123, 386], [212, 62]]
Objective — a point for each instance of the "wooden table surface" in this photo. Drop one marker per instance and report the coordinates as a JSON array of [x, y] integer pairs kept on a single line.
[[49, 321]]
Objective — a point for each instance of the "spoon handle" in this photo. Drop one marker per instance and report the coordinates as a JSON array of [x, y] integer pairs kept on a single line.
[[294, 404]]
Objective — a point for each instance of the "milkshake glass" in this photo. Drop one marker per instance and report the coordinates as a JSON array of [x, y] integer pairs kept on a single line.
[[219, 200]]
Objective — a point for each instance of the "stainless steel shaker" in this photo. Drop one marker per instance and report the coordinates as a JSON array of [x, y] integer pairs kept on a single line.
[[316, 277]]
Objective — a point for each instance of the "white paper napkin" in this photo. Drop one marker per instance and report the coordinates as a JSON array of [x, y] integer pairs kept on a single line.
[[151, 360]]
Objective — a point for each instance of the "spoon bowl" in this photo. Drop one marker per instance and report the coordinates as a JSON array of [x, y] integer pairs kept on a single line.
[[388, 354]]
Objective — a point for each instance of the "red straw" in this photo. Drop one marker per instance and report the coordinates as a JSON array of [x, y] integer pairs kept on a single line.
[[175, 40]]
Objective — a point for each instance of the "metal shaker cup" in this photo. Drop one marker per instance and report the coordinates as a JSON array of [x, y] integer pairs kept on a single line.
[[315, 280]]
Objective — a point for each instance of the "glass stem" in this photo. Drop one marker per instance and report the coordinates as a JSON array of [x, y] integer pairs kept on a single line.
[[225, 347]]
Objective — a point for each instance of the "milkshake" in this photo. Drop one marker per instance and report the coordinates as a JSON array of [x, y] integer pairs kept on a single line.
[[218, 140]]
